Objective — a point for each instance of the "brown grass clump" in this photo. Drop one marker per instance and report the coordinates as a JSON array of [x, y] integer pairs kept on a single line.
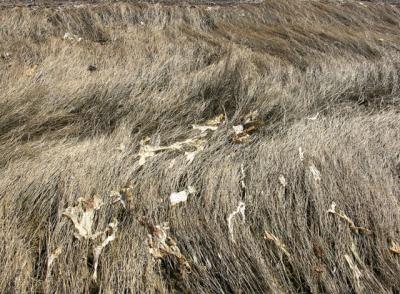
[[238, 125]]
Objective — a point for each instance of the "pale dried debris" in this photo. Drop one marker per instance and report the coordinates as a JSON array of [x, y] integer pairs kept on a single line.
[[282, 180], [157, 239], [172, 163], [345, 218], [395, 247], [108, 235], [315, 172], [278, 243], [53, 256], [356, 255], [250, 117], [190, 155], [355, 270], [124, 195], [195, 260], [240, 137], [238, 129], [215, 121], [241, 208], [313, 117], [71, 37], [31, 70], [249, 124], [301, 154], [197, 143], [204, 128], [208, 264], [211, 124], [82, 216], [121, 147], [160, 245], [182, 196], [242, 177], [117, 197], [146, 150], [6, 55], [319, 268]]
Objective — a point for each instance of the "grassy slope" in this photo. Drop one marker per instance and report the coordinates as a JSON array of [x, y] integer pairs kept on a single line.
[[161, 69]]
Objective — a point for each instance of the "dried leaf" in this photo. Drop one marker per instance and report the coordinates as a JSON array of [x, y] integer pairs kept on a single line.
[[124, 195], [161, 245], [71, 37], [318, 251], [319, 269], [239, 210], [204, 128], [395, 247], [107, 236], [238, 129], [182, 196], [240, 138], [219, 119], [356, 272], [250, 117], [243, 132], [93, 202], [82, 216], [127, 193], [345, 218], [315, 172], [250, 123], [147, 150], [117, 197], [178, 197], [211, 124], [278, 243], [252, 126]]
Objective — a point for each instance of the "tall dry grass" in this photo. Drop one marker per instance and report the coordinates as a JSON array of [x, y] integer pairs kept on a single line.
[[66, 132]]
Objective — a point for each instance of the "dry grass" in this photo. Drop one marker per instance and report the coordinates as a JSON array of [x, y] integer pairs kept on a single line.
[[66, 132]]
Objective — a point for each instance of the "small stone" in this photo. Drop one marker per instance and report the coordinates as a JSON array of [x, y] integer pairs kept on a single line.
[[92, 68]]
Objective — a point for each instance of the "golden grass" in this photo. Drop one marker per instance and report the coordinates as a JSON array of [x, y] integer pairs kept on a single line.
[[323, 77]]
